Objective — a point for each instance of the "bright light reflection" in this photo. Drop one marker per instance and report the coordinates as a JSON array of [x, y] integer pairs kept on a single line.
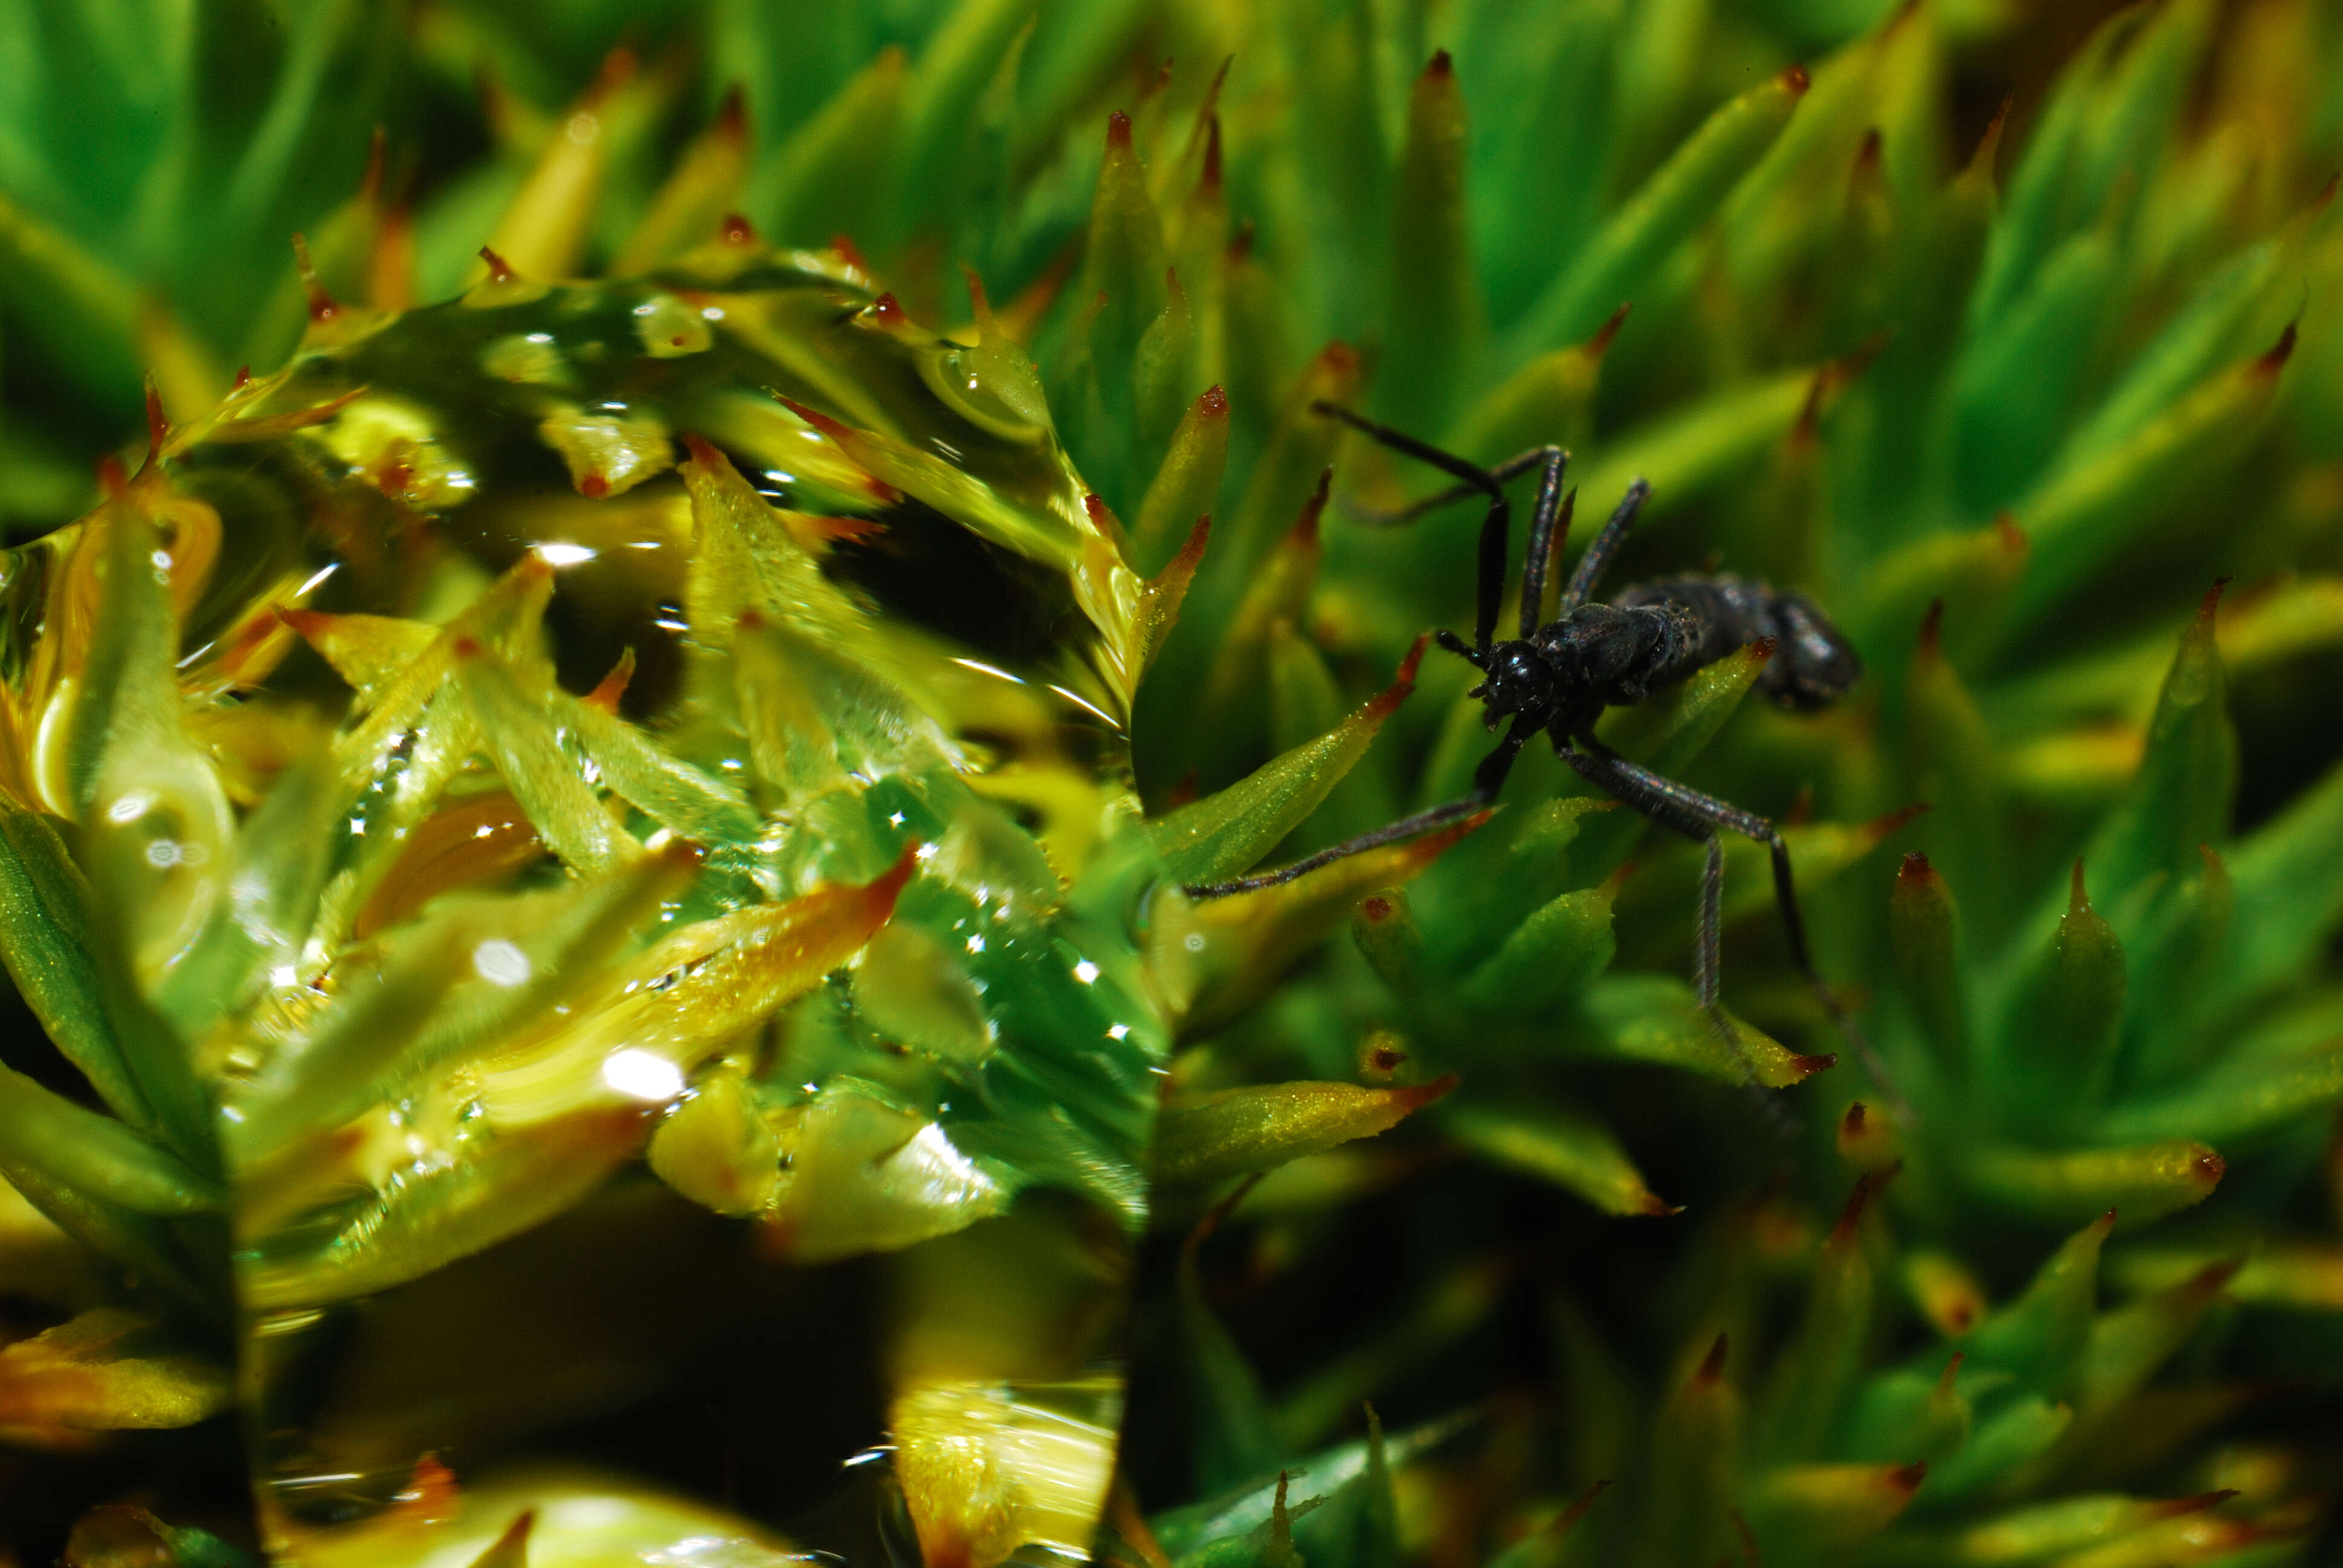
[[988, 669], [564, 554], [1086, 972], [499, 963], [643, 1074]]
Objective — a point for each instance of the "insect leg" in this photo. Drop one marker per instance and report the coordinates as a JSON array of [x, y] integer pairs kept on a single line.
[[1686, 811], [1511, 469], [1487, 779], [1708, 955], [1495, 529], [1606, 544], [1544, 524]]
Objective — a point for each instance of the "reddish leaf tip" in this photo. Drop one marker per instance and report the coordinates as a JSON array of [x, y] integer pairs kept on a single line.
[[738, 230], [500, 270], [1118, 130], [890, 883], [1915, 869], [2209, 1168], [1600, 344], [2079, 898], [1797, 80], [157, 426], [1866, 1187], [1710, 1370], [2270, 363], [1440, 67], [843, 246], [1212, 403], [1423, 1094], [2174, 1507], [1908, 1478], [2211, 601], [1932, 631], [819, 421], [888, 311]]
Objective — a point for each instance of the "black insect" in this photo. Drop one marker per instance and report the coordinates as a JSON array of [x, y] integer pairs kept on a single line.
[[1559, 676]]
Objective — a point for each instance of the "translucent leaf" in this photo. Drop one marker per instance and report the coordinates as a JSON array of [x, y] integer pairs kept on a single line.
[[2236, 1102], [1830, 1506], [45, 935], [2038, 1337], [1653, 1019], [1182, 1531], [987, 1467], [1227, 832], [1188, 484], [1234, 1132], [85, 1375], [1432, 322], [520, 736], [1671, 204], [2144, 1181], [508, 1180], [2021, 1432], [1574, 1153], [96, 1154], [1232, 951]]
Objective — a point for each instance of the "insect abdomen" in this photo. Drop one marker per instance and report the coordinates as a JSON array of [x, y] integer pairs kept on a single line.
[[1813, 663]]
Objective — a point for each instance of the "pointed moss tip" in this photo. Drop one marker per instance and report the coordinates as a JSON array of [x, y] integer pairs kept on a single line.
[[1915, 869], [1908, 1478], [2173, 1508], [158, 426], [1762, 650], [892, 880], [2079, 898], [1711, 1369], [2208, 1168], [2271, 363], [1424, 1094], [1413, 660], [1797, 80], [1868, 1186], [1851, 1126], [888, 311], [2211, 602], [842, 247], [1989, 147], [1440, 67], [500, 270], [1210, 179], [738, 230], [1118, 130], [1212, 403], [1600, 344], [731, 121]]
